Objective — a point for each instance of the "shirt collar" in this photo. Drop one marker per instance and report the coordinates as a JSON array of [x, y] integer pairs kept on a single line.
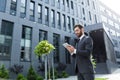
[[81, 36]]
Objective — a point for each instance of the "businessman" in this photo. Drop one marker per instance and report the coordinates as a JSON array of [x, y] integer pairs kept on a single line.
[[82, 53]]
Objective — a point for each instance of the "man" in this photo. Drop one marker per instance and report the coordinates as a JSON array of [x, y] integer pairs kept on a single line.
[[82, 53]]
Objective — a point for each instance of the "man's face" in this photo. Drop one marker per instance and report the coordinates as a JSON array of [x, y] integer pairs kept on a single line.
[[78, 31]]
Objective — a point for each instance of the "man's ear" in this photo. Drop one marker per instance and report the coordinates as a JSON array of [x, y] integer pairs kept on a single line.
[[82, 29]]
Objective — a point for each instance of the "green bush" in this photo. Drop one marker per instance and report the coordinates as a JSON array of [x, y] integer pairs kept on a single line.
[[64, 74], [4, 72], [20, 77], [31, 74], [39, 78]]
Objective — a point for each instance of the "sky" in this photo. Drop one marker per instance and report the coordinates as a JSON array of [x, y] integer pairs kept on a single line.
[[112, 4]]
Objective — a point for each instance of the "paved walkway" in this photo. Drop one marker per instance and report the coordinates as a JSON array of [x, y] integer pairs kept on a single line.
[[114, 76]]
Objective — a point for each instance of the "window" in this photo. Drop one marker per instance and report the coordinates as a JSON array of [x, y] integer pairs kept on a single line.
[[109, 13], [68, 24], [63, 22], [32, 10], [83, 10], [119, 19], [23, 9], [26, 44], [76, 6], [2, 5], [46, 16], [95, 19], [73, 22], [79, 11], [58, 4], [40, 13], [52, 18], [93, 5], [67, 54], [53, 2], [58, 20], [67, 2], [118, 34], [56, 40], [104, 19], [112, 33], [102, 8], [63, 5], [6, 31], [47, 1], [58, 1], [42, 36], [115, 43], [115, 17], [13, 7], [117, 54], [111, 22], [82, 2], [90, 15], [77, 21], [63, 2], [71, 4], [117, 26], [88, 2]]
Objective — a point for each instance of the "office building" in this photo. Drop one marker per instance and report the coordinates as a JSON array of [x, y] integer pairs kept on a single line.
[[23, 23]]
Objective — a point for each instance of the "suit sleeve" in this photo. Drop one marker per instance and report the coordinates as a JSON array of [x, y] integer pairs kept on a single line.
[[88, 48]]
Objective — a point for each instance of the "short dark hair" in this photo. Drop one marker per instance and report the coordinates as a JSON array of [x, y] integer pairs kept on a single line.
[[78, 25]]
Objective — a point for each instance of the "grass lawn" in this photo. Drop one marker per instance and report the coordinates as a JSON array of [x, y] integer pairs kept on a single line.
[[100, 78]]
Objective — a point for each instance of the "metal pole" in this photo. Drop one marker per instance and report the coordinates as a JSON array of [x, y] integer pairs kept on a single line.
[[53, 66], [45, 67]]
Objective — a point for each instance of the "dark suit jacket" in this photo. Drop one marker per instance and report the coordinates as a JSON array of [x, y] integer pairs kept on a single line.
[[83, 55]]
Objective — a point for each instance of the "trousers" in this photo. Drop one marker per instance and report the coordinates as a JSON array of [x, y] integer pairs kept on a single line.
[[85, 76]]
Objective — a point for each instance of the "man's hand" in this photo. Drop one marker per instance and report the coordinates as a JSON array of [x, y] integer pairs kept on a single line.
[[70, 48]]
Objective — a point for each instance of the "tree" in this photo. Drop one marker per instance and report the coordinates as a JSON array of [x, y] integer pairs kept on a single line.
[[44, 48], [4, 72]]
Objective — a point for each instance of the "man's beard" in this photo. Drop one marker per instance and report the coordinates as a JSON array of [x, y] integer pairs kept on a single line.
[[79, 35]]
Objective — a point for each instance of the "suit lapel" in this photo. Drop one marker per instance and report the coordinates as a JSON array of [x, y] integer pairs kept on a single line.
[[80, 41]]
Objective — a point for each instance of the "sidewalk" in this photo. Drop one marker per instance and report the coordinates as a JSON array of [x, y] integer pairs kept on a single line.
[[114, 76]]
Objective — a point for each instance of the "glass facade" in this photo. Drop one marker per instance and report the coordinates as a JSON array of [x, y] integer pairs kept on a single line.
[[52, 18], [56, 40], [46, 16], [53, 2], [67, 54], [63, 22], [26, 40], [2, 5], [40, 13], [42, 36], [68, 24], [90, 16], [58, 20], [23, 9], [32, 11], [47, 1], [67, 3], [73, 23], [6, 31], [13, 7], [58, 4]]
